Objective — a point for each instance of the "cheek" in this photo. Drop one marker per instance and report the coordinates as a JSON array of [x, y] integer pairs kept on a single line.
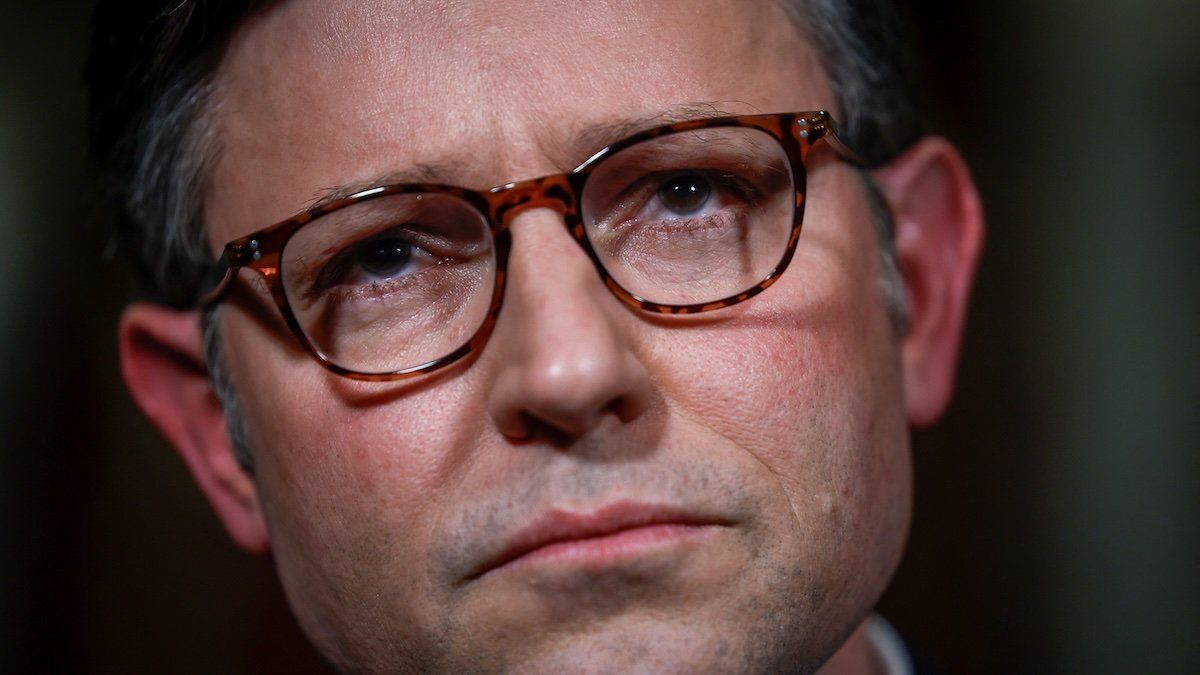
[[808, 399], [810, 357], [344, 468], [806, 381], [344, 479]]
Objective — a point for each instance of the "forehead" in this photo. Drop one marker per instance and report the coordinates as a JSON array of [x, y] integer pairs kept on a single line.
[[319, 93]]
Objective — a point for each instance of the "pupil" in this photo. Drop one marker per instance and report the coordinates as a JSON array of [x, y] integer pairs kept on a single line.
[[384, 257], [685, 194]]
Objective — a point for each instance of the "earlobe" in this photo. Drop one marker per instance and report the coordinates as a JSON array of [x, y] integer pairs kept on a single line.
[[938, 237], [162, 362]]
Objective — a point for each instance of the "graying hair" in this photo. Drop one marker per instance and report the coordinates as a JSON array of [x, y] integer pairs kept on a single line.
[[178, 146], [218, 372], [863, 47], [864, 51], [171, 146]]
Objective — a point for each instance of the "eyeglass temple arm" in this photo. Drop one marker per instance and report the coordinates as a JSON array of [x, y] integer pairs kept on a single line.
[[844, 151], [834, 139], [219, 277]]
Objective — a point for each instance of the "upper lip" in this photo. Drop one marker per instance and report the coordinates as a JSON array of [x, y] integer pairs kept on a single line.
[[557, 525]]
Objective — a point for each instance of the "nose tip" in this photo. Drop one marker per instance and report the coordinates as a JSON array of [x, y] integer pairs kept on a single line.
[[560, 395], [564, 346]]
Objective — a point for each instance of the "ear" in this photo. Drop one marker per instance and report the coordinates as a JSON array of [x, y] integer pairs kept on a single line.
[[162, 362], [938, 237]]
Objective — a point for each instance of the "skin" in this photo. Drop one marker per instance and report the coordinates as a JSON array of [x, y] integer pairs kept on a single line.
[[785, 417]]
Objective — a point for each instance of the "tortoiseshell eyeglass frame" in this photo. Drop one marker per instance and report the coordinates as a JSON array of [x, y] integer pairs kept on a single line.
[[797, 133]]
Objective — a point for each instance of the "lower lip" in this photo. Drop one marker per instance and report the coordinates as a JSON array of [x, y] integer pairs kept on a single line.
[[613, 548]]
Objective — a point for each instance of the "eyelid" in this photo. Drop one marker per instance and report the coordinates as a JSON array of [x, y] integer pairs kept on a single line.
[[334, 268], [721, 179]]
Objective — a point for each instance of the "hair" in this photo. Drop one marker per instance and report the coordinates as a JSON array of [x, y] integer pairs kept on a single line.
[[151, 75]]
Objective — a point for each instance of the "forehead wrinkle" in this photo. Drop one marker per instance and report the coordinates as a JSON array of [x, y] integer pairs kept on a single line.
[[587, 139], [565, 154], [423, 172]]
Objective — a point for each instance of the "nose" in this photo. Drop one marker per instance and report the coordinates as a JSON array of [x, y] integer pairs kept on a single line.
[[564, 346]]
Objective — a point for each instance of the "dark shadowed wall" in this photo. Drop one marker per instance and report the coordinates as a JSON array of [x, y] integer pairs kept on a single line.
[[1056, 526]]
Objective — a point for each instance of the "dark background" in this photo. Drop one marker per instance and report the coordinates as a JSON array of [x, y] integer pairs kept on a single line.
[[1056, 524]]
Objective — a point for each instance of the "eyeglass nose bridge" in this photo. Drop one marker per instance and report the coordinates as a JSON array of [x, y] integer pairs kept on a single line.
[[560, 193], [553, 192]]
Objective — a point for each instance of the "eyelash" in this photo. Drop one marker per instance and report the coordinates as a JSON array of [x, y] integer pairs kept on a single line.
[[333, 272], [649, 185], [376, 290]]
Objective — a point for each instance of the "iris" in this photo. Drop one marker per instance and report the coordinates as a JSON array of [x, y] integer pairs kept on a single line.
[[384, 257], [685, 194]]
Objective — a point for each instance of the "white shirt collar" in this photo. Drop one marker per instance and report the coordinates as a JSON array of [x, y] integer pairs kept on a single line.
[[889, 646]]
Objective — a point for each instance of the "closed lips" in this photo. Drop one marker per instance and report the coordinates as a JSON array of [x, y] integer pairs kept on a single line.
[[623, 522]]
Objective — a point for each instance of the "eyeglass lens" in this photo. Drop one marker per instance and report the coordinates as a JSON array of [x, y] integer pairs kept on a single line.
[[398, 281], [691, 217]]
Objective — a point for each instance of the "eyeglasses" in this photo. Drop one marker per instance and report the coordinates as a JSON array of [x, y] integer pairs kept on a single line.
[[400, 280]]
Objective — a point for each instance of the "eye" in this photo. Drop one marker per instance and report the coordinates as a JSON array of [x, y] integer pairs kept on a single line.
[[685, 194], [384, 257]]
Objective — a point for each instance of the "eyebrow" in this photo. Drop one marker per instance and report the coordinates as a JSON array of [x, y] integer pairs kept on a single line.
[[579, 145], [419, 173], [588, 140]]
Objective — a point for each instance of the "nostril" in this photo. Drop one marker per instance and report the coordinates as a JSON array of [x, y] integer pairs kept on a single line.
[[622, 408], [535, 429]]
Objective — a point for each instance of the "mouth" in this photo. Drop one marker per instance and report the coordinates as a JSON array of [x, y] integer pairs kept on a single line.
[[607, 536]]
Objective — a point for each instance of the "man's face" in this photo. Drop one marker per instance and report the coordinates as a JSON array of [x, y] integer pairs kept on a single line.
[[765, 444]]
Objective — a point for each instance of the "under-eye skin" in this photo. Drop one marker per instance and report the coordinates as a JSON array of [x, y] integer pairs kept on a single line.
[[382, 289], [406, 299], [675, 244]]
